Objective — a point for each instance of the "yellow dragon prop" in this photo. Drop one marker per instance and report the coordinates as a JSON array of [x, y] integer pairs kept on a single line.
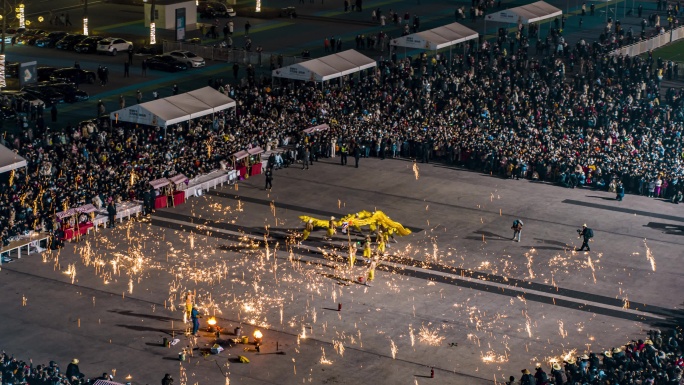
[[360, 219]]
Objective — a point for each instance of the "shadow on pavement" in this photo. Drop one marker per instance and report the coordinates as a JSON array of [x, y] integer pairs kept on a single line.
[[667, 228], [130, 313]]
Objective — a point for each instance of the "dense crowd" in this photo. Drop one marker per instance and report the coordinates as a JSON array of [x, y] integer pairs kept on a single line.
[[14, 371], [576, 117], [655, 361]]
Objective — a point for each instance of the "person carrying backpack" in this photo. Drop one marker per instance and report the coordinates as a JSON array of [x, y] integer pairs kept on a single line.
[[586, 233], [540, 376], [517, 229]]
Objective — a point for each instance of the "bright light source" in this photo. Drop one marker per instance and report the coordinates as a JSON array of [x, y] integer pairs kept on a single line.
[[21, 16], [258, 336], [85, 26], [153, 34], [258, 7], [211, 321], [41, 19]]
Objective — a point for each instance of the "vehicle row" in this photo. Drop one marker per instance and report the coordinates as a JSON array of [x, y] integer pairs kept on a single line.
[[67, 41]]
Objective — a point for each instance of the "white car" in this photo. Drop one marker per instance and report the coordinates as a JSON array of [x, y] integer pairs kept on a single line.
[[112, 45], [188, 58]]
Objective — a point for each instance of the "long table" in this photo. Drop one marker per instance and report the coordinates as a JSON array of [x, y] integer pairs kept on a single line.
[[25, 241], [211, 180]]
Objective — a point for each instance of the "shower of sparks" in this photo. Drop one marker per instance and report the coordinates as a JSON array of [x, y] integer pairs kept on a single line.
[[591, 266], [393, 349], [324, 360], [339, 347], [529, 257], [625, 303], [411, 335], [528, 325], [183, 375], [23, 300], [415, 170], [71, 272], [492, 358], [430, 337], [563, 333], [130, 286], [649, 256]]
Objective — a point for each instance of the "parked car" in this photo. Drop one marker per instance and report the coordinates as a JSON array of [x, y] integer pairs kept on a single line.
[[69, 41], [70, 92], [88, 45], [73, 75], [30, 36], [50, 39], [211, 9], [44, 73], [189, 58], [12, 33], [112, 45], [28, 98], [165, 63], [48, 95]]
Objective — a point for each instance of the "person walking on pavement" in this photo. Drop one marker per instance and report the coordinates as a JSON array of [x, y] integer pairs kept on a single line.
[[167, 380], [343, 154], [586, 234], [269, 178], [517, 229], [371, 272], [332, 229], [67, 21], [620, 191], [144, 68], [195, 316], [175, 89], [138, 96], [357, 155], [54, 113], [127, 67], [306, 158], [247, 28], [122, 102], [130, 55]]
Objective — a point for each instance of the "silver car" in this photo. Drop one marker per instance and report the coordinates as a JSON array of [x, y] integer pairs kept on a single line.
[[112, 45], [188, 58]]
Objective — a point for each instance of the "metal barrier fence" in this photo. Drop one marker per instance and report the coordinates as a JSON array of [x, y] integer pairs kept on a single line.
[[263, 59], [655, 42]]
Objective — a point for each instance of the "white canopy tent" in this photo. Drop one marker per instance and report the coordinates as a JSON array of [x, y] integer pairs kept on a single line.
[[437, 38], [9, 160], [526, 14], [326, 68], [175, 109]]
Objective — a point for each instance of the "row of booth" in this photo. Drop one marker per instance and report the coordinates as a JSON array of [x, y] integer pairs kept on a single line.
[[171, 192]]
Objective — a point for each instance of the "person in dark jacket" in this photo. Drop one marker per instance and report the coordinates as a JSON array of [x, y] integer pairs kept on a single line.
[[527, 378], [167, 380], [111, 212], [72, 371], [586, 234]]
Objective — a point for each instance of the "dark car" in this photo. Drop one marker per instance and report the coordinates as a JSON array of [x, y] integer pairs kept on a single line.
[[73, 75], [69, 90], [88, 45], [50, 39], [7, 113], [69, 41], [30, 36], [48, 95], [165, 63], [44, 73]]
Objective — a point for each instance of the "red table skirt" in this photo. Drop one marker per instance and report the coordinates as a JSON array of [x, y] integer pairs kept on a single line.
[[82, 230], [256, 169], [160, 202], [178, 198], [242, 171]]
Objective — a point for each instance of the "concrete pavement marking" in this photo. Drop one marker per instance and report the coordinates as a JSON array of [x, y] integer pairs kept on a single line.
[[287, 206], [314, 256], [624, 210]]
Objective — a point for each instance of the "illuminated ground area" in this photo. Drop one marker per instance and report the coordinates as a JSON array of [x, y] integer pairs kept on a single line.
[[457, 295]]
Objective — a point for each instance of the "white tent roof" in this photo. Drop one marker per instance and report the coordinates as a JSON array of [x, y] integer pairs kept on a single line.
[[437, 38], [175, 109], [530, 13], [326, 68], [9, 160]]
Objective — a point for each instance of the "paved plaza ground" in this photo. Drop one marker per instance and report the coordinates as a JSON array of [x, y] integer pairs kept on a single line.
[[457, 294]]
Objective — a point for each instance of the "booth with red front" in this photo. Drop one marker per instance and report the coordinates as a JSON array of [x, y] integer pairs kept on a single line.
[[161, 201], [80, 226], [255, 160], [180, 182], [241, 163]]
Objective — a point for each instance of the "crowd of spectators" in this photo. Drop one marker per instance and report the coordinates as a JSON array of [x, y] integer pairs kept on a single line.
[[655, 361], [576, 117], [14, 371]]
